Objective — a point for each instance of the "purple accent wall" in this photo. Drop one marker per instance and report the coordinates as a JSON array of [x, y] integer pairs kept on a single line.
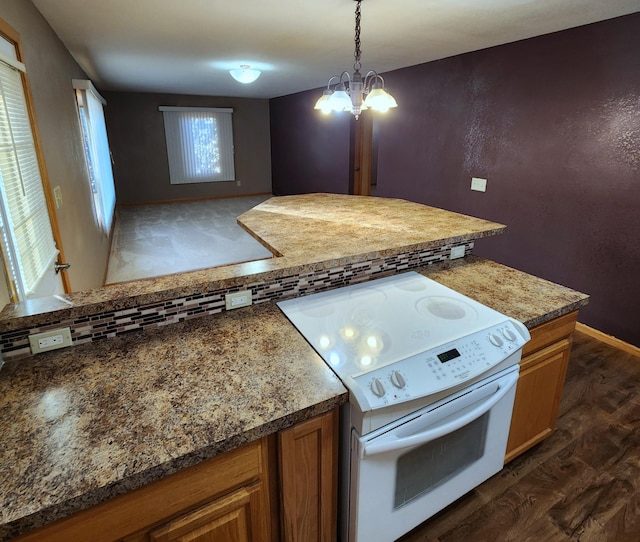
[[310, 152], [553, 123]]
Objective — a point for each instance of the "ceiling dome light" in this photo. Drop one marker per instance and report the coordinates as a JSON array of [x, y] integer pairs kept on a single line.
[[246, 74]]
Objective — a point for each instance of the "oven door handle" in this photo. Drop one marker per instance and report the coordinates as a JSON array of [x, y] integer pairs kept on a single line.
[[391, 441]]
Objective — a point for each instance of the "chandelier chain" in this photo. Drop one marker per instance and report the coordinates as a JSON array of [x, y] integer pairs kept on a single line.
[[357, 65]]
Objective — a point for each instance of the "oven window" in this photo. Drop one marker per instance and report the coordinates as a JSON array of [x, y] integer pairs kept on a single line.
[[435, 462]]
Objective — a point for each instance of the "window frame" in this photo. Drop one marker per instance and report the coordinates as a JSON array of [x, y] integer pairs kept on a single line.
[[13, 37], [95, 139], [183, 156]]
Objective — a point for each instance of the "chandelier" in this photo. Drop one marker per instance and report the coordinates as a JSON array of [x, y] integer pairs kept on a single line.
[[353, 92]]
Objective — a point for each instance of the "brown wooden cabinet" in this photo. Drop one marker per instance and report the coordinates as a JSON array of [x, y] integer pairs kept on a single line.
[[542, 372], [234, 517], [227, 493], [309, 480], [244, 495]]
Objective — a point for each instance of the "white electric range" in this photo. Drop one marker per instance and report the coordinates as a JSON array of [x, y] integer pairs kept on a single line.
[[404, 339], [431, 375]]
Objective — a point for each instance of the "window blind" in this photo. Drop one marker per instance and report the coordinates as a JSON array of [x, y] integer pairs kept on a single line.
[[94, 128], [199, 144], [25, 217]]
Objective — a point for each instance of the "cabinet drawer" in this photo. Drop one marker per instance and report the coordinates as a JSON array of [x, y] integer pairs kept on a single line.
[[234, 517], [550, 332], [159, 501], [528, 363]]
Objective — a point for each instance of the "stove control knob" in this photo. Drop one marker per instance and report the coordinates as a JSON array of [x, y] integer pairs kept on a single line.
[[398, 380], [508, 334], [495, 340], [377, 388]]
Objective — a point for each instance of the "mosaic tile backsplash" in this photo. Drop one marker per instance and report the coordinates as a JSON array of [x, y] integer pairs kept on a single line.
[[15, 344]]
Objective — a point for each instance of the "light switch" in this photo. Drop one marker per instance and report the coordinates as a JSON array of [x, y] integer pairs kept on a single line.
[[478, 184], [57, 195]]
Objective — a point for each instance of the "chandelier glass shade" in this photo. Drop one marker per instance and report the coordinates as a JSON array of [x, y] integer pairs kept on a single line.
[[353, 92]]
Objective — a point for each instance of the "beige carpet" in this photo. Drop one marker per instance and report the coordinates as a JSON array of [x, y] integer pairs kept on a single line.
[[154, 240]]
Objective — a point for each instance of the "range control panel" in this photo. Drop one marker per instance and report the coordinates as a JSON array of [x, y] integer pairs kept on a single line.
[[440, 368]]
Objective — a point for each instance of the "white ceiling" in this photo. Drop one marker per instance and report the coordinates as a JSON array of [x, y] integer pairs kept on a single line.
[[188, 46]]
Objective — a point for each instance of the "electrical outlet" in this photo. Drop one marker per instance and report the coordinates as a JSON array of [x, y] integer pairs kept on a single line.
[[456, 252], [478, 184], [237, 299], [50, 340]]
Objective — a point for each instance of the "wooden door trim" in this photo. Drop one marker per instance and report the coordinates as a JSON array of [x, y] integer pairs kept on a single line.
[[12, 35], [362, 156]]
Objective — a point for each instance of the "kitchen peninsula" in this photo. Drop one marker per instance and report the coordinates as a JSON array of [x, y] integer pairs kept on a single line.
[[305, 233], [101, 419]]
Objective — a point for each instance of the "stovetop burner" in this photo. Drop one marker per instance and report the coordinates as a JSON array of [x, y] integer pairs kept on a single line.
[[363, 327], [405, 337]]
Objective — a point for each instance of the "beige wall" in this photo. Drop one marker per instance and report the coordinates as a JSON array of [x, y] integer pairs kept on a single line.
[[137, 141], [50, 69], [136, 136]]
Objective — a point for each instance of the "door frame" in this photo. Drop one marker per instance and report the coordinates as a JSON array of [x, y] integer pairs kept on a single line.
[[362, 155]]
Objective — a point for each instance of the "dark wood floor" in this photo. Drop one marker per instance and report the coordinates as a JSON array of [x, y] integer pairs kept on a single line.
[[580, 484]]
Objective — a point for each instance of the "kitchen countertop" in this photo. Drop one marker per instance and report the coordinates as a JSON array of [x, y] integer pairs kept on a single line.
[[346, 229], [529, 299], [84, 424], [305, 233]]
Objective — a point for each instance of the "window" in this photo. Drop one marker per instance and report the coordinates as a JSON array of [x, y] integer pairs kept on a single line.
[[199, 144], [96, 145], [28, 246]]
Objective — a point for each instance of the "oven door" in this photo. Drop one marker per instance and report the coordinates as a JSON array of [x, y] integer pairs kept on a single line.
[[407, 471]]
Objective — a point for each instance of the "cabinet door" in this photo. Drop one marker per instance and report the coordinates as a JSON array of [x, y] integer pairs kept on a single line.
[[235, 517], [537, 397], [308, 480]]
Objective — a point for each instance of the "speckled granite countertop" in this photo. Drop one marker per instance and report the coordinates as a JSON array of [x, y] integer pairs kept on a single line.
[[341, 228], [305, 232], [84, 424], [531, 300]]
